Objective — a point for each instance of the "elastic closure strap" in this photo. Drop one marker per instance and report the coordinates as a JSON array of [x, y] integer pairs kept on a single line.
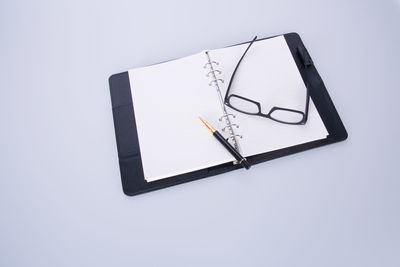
[[305, 56]]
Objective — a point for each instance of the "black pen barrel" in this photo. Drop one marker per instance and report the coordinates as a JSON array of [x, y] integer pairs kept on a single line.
[[243, 161]]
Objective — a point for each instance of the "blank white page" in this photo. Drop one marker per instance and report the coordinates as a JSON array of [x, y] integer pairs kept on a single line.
[[268, 74], [168, 99]]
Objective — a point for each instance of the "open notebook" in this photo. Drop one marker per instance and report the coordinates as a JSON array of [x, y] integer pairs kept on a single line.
[[169, 98], [161, 141]]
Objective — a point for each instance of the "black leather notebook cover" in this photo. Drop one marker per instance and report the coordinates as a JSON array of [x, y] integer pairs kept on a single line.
[[133, 181]]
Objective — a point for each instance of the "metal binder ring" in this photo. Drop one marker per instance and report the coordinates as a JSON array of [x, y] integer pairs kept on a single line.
[[230, 125], [226, 115], [209, 63], [208, 74], [233, 136], [215, 81]]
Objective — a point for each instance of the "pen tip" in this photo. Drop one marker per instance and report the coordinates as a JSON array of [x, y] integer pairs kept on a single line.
[[203, 121], [212, 130]]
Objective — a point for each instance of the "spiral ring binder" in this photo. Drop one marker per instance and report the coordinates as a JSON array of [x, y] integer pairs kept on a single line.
[[210, 63], [233, 124], [215, 81], [233, 136], [213, 71], [225, 116]]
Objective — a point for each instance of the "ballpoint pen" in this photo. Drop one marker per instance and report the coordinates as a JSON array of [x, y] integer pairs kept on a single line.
[[242, 160]]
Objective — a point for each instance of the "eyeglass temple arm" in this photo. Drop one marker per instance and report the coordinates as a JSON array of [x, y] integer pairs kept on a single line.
[[237, 66]]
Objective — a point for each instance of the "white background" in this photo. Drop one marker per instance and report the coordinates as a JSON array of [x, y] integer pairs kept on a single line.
[[61, 202]]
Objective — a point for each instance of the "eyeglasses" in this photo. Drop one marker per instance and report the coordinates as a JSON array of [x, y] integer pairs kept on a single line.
[[252, 107]]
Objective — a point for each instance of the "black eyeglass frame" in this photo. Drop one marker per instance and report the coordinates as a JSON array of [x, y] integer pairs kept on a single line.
[[228, 98]]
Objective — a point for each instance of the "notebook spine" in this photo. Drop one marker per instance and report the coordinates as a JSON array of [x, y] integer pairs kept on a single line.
[[226, 117]]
